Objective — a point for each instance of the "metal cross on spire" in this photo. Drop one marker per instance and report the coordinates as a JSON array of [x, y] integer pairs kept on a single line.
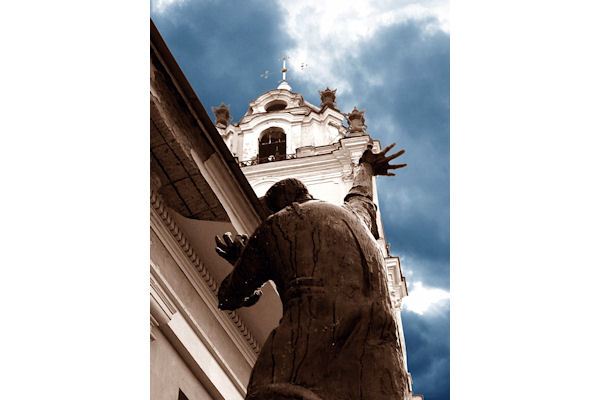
[[284, 85], [284, 69]]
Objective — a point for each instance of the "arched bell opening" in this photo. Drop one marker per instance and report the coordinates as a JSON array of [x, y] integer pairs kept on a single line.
[[271, 145]]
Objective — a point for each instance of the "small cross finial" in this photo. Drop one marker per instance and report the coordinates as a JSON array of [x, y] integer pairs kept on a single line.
[[283, 84], [284, 69]]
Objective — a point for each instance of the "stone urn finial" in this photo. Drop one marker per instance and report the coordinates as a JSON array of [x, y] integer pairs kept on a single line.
[[357, 121], [222, 114], [328, 98]]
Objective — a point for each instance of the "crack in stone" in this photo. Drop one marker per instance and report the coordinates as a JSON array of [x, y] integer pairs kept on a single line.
[[307, 343], [316, 248], [292, 251], [295, 346], [273, 356]]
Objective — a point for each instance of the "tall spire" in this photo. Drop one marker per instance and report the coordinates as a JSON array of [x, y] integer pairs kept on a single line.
[[283, 84]]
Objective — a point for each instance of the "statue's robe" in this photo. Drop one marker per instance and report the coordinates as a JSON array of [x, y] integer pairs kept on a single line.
[[337, 339]]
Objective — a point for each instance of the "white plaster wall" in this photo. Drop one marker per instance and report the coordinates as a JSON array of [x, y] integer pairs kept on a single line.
[[261, 186], [169, 373], [295, 139], [249, 145], [331, 191]]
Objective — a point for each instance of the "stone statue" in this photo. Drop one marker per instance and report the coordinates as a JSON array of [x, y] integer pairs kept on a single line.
[[337, 339]]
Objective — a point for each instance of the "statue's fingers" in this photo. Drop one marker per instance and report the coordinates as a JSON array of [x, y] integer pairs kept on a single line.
[[228, 239], [221, 252], [396, 166], [398, 154], [389, 174], [387, 148], [219, 241], [239, 240]]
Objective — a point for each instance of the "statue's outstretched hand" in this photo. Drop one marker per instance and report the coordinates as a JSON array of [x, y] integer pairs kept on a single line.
[[229, 248], [380, 162]]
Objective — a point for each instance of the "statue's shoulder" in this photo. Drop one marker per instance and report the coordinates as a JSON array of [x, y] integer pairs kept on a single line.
[[309, 208], [322, 205]]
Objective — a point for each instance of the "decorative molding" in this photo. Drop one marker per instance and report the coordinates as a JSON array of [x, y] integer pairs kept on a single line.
[[293, 100], [234, 320]]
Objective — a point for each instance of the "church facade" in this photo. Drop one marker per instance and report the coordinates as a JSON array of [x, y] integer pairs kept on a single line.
[[206, 179]]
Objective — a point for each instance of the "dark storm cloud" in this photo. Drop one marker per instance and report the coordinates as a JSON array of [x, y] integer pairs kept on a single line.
[[224, 46], [411, 108], [429, 352]]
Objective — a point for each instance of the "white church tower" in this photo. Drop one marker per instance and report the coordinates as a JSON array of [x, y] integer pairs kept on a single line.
[[284, 136]]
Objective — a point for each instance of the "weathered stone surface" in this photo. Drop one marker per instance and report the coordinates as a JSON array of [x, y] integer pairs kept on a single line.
[[337, 338]]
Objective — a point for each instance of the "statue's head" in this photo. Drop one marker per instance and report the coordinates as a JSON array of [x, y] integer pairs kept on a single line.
[[286, 192]]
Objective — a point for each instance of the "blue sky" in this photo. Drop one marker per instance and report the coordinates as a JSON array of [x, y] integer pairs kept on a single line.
[[390, 58]]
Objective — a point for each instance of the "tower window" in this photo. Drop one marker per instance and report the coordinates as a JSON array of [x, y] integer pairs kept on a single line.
[[276, 105], [271, 145]]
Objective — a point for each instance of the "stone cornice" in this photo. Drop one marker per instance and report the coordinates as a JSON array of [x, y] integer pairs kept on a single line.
[[208, 281]]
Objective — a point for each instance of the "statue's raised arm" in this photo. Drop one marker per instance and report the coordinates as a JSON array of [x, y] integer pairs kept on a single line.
[[360, 196]]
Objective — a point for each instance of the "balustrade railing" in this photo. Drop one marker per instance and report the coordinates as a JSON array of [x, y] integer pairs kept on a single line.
[[268, 159]]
